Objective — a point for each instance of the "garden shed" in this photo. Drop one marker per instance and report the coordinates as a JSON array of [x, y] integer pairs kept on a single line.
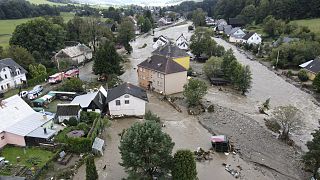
[[220, 143], [98, 146]]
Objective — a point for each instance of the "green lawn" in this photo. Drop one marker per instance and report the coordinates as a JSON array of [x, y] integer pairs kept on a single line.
[[8, 26], [45, 2], [313, 24], [40, 156]]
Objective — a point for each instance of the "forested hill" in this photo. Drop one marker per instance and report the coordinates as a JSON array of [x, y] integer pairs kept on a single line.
[[16, 9], [256, 9]]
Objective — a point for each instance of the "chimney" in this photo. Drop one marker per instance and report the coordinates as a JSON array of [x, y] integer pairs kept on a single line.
[[45, 117], [45, 130]]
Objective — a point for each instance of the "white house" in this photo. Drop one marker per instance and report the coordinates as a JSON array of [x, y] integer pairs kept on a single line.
[[236, 35], [74, 54], [67, 111], [164, 21], [252, 38], [127, 99], [161, 41], [20, 125], [11, 74], [182, 42]]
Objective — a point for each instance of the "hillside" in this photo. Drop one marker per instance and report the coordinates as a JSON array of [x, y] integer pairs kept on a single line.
[[312, 24], [136, 2]]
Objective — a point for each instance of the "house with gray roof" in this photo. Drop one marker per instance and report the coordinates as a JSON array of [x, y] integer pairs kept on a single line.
[[284, 40], [67, 111], [11, 74], [162, 74], [126, 99], [312, 67], [73, 54]]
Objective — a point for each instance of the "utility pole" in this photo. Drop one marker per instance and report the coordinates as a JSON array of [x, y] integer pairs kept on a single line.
[[277, 59]]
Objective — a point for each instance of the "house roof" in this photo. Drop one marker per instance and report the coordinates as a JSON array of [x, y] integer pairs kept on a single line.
[[314, 66], [162, 64], [74, 51], [303, 65], [39, 133], [248, 35], [98, 144], [227, 29], [68, 109], [84, 100], [10, 63], [170, 50], [17, 117], [181, 36], [234, 30], [284, 40], [236, 21], [126, 88]]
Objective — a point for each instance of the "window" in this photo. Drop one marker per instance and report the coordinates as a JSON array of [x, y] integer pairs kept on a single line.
[[118, 102], [126, 101], [126, 96], [2, 137], [140, 69], [2, 88], [5, 76], [159, 75]]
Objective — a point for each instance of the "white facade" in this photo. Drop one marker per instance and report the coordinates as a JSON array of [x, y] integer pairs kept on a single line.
[[62, 118], [160, 42], [183, 45], [254, 39], [127, 105], [9, 81], [235, 39], [181, 39]]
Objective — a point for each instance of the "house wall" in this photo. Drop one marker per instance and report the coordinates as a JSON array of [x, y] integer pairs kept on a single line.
[[174, 82], [255, 39], [79, 59], [9, 81], [311, 75], [235, 40], [3, 140], [158, 43], [150, 77], [62, 118], [135, 107], [15, 139], [143, 77], [88, 55], [184, 61]]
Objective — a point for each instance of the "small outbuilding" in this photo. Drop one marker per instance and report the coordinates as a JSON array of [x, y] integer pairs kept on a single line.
[[220, 143], [67, 111], [98, 146]]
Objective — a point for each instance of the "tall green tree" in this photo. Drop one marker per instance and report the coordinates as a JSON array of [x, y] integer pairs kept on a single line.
[[212, 67], [73, 85], [244, 79], [184, 166], [91, 171], [126, 33], [20, 55], [37, 70], [201, 41], [73, 28], [146, 150], [194, 91], [199, 17], [39, 35], [312, 157], [107, 60], [146, 26]]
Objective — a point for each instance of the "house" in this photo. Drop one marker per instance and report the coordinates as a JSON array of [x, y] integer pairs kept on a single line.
[[312, 68], [20, 125], [236, 22], [284, 40], [227, 29], [236, 35], [74, 54], [210, 21], [162, 74], [184, 45], [164, 21], [161, 41], [11, 74], [181, 39], [94, 101], [126, 99], [67, 111], [175, 53], [252, 38]]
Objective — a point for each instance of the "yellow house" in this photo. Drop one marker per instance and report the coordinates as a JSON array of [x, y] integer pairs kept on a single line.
[[175, 53]]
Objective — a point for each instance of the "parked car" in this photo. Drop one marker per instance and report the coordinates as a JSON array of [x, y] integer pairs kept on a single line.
[[33, 94], [190, 28], [38, 88], [23, 94], [56, 78]]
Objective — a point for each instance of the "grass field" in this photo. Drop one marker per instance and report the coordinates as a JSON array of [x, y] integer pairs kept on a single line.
[[45, 2], [8, 26], [313, 24]]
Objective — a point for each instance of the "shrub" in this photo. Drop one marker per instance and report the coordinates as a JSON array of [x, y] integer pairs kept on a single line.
[[151, 117], [303, 75], [316, 83], [71, 122], [184, 166], [84, 127]]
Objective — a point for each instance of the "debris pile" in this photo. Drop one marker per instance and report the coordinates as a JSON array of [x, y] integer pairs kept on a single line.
[[235, 173], [202, 155]]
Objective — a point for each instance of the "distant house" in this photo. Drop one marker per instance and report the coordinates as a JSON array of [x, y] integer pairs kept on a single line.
[[236, 35], [284, 40], [162, 74], [312, 67], [252, 38], [221, 22], [127, 99], [20, 125], [11, 74], [181, 39], [175, 53], [74, 54], [184, 45], [236, 22], [227, 29], [161, 41], [95, 101], [210, 21], [67, 111], [164, 21]]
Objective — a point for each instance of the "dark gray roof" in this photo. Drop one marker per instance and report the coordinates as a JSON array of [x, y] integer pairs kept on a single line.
[[284, 40], [68, 109], [126, 88], [227, 29], [170, 50], [10, 63], [236, 22], [314, 66], [162, 64], [248, 35]]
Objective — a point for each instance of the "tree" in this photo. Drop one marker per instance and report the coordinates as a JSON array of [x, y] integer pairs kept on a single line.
[[39, 35], [289, 119], [212, 67], [37, 70], [91, 171], [73, 28], [184, 166], [146, 150], [107, 60], [316, 82], [126, 32], [146, 26], [312, 157], [228, 64], [249, 13], [199, 17], [151, 117], [20, 55], [243, 82], [194, 91], [272, 26], [73, 85], [303, 75], [201, 41]]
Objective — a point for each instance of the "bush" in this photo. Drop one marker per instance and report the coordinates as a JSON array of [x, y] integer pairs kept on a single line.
[[71, 122], [151, 117], [272, 125], [289, 73], [316, 83], [84, 127], [73, 85], [184, 166], [303, 75], [88, 117]]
